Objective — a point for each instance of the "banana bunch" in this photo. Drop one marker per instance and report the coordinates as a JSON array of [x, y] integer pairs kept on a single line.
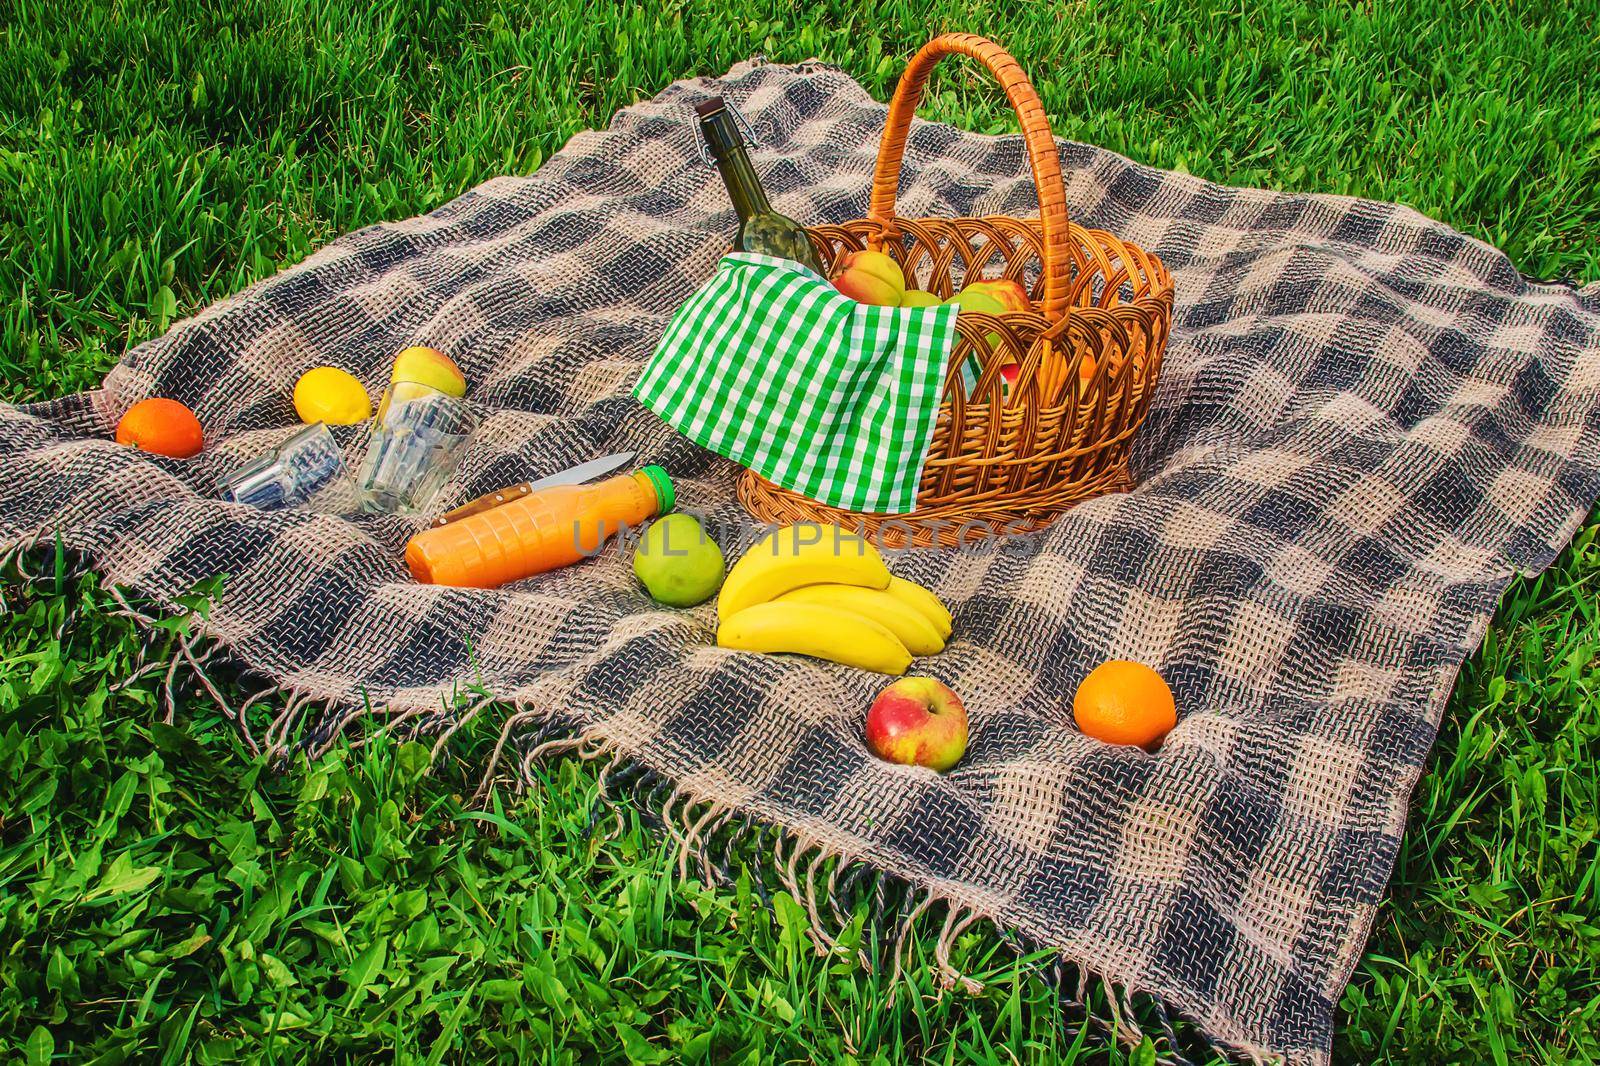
[[822, 591]]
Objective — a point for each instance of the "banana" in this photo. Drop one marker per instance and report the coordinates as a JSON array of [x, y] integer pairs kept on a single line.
[[914, 594], [915, 631], [792, 556], [820, 632]]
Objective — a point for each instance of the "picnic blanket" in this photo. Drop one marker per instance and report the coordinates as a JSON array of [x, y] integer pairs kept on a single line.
[[1366, 424]]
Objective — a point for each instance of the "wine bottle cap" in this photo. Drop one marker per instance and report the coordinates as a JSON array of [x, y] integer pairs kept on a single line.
[[720, 127]]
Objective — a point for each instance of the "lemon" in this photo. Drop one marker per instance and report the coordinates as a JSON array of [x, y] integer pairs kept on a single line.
[[328, 394], [677, 562]]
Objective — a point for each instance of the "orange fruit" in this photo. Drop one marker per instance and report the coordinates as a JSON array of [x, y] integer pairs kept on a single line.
[[162, 427], [1086, 368], [1123, 702]]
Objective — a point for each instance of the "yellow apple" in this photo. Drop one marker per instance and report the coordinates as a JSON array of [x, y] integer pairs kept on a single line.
[[429, 366], [878, 264], [871, 278], [978, 299], [867, 288], [1008, 292]]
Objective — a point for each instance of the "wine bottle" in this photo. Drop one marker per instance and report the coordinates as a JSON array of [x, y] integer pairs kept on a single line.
[[761, 229]]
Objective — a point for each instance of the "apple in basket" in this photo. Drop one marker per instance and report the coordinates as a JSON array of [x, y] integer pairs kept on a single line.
[[871, 278], [981, 296], [918, 722], [1009, 293]]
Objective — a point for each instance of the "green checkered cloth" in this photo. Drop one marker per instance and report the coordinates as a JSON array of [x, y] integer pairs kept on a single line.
[[771, 366]]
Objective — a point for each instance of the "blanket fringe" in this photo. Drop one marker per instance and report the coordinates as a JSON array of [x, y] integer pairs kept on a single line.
[[711, 837]]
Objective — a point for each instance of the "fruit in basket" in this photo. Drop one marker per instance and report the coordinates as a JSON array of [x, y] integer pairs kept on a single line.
[[1010, 294], [918, 722], [328, 394], [919, 298], [429, 366], [880, 265], [1123, 702], [161, 427], [820, 632], [677, 562], [871, 278], [978, 298], [1086, 368], [866, 289], [791, 556], [915, 630]]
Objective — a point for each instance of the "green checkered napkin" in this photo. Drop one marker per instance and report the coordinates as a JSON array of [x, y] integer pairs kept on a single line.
[[770, 365]]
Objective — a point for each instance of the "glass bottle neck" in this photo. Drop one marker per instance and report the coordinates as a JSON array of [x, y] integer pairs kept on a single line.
[[733, 162], [744, 187]]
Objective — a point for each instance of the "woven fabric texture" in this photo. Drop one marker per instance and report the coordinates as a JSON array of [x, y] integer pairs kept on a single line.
[[768, 355], [1366, 424]]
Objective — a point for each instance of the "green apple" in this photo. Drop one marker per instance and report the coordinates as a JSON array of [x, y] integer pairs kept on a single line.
[[677, 562], [976, 299]]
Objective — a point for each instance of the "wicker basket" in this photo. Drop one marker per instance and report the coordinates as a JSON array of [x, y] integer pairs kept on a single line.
[[1008, 458]]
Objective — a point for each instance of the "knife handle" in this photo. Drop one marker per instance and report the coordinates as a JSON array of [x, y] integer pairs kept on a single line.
[[485, 503]]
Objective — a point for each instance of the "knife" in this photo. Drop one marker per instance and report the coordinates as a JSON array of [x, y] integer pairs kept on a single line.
[[573, 475]]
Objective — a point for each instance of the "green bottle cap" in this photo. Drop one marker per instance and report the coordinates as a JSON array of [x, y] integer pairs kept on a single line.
[[665, 496]]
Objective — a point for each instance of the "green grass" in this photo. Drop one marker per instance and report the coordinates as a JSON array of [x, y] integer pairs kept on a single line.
[[167, 896], [161, 895]]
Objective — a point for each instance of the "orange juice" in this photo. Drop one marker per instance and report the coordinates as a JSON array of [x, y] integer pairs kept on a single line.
[[550, 528]]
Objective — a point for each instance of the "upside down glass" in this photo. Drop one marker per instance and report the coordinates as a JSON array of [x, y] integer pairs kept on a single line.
[[416, 442]]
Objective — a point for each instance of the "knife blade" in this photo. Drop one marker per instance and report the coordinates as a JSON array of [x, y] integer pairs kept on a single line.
[[573, 475]]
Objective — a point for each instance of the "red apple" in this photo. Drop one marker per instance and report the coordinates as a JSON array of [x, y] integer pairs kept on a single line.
[[1008, 292], [866, 288], [918, 722], [871, 278]]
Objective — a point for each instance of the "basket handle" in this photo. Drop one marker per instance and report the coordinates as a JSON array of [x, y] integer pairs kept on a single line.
[[1036, 134]]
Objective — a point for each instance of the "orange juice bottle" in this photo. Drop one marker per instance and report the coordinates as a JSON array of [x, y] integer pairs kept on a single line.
[[550, 528]]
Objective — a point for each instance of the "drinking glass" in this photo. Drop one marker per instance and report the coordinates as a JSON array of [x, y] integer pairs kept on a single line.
[[289, 475], [417, 439]]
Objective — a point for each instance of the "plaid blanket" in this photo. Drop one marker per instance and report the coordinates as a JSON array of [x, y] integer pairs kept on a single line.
[[1367, 423]]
